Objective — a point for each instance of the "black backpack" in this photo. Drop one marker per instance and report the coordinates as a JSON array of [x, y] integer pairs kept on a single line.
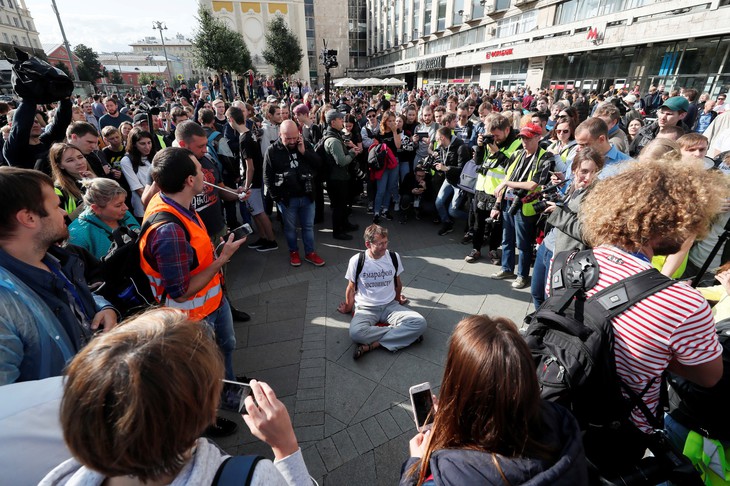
[[377, 157], [328, 162], [571, 339], [125, 285]]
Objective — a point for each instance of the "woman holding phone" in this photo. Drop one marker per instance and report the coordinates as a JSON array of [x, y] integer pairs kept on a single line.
[[137, 399], [490, 425]]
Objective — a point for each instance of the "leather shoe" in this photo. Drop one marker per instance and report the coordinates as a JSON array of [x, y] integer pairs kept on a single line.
[[342, 236], [239, 315], [221, 428]]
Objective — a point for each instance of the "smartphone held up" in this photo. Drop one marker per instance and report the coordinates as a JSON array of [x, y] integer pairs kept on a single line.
[[422, 404]]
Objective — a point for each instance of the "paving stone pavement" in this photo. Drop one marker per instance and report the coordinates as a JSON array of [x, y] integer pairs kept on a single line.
[[353, 419]]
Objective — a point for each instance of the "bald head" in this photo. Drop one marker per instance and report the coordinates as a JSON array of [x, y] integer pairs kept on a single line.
[[289, 133]]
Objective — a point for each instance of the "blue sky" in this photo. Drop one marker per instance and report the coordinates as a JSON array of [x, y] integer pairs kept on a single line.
[[106, 25]]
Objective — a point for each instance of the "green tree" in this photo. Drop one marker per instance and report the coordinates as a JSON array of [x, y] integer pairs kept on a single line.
[[147, 78], [116, 77], [89, 68], [282, 50], [217, 47], [63, 68]]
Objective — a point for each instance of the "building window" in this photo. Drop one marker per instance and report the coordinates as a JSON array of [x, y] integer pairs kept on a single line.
[[427, 22], [10, 3], [6, 38], [517, 24], [15, 40], [574, 10], [477, 9], [501, 5], [441, 18], [416, 20], [15, 19], [456, 17], [30, 25]]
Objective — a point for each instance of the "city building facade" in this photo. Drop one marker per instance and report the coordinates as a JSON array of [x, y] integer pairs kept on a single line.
[[177, 48], [558, 44], [250, 18], [17, 28]]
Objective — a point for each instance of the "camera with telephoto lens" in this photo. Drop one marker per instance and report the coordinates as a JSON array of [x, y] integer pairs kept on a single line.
[[308, 187], [429, 163], [517, 202]]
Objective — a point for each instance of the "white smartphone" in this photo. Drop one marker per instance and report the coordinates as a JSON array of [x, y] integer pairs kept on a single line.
[[422, 403], [233, 395]]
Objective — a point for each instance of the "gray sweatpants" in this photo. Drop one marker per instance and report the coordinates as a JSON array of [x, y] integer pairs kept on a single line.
[[404, 325]]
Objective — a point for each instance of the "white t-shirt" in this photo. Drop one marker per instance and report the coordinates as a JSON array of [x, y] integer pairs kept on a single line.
[[137, 180], [376, 283]]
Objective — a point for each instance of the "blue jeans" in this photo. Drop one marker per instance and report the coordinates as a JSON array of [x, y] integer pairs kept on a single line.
[[387, 189], [448, 201], [222, 323], [299, 210], [540, 275], [519, 231], [404, 168]]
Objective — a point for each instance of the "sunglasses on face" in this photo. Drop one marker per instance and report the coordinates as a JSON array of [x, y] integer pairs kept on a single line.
[[562, 131]]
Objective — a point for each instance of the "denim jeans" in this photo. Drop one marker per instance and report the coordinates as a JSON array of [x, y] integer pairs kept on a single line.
[[540, 275], [404, 168], [299, 210], [448, 201], [222, 323], [387, 189], [519, 231]]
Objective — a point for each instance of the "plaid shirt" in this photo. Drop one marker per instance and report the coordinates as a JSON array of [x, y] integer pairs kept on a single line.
[[170, 253]]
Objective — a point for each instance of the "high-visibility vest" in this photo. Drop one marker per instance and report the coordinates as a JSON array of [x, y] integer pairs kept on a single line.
[[527, 208], [495, 176], [69, 202], [208, 299]]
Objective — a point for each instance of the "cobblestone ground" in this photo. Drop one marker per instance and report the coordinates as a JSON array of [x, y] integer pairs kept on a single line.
[[353, 418]]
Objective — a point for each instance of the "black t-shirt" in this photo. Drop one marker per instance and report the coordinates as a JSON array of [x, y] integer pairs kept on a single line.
[[208, 202], [114, 158], [388, 139], [250, 149]]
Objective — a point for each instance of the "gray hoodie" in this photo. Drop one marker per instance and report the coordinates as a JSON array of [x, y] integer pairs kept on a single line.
[[200, 470]]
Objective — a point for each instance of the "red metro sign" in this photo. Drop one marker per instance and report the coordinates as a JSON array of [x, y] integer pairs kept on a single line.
[[500, 53]]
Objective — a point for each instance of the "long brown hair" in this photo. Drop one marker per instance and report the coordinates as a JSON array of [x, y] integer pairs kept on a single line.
[[384, 121], [490, 398], [61, 178]]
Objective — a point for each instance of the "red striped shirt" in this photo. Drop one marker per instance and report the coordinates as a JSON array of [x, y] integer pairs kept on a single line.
[[673, 323]]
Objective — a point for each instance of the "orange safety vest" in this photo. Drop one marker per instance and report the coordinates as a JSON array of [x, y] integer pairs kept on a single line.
[[208, 299]]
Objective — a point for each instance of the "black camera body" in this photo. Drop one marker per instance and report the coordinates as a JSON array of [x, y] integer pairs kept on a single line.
[[429, 163]]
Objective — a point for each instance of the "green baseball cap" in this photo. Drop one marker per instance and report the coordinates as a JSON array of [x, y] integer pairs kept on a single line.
[[676, 103]]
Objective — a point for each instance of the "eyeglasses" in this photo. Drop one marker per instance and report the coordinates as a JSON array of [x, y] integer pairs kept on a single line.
[[379, 244], [371, 116]]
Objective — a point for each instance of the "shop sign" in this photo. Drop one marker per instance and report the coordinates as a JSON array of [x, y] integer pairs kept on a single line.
[[431, 64], [500, 53], [425, 81], [458, 81]]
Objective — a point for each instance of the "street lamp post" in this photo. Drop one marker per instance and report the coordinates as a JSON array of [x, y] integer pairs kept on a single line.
[[65, 42], [116, 54], [157, 25]]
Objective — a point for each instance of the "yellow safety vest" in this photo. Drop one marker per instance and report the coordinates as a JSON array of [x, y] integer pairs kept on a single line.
[[495, 176], [527, 208]]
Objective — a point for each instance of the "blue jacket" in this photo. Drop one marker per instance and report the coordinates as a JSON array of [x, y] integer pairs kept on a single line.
[[39, 331], [90, 232], [458, 467]]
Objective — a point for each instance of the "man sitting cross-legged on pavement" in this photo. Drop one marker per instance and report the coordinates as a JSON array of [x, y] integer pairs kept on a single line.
[[374, 292]]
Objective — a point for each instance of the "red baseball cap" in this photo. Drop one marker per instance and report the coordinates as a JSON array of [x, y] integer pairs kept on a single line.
[[531, 130]]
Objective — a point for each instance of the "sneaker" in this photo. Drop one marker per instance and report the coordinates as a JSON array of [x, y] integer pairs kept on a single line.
[[239, 315], [370, 209], [268, 246], [494, 257], [294, 259], [521, 282], [396, 206], [387, 215], [314, 259], [446, 228], [503, 274], [376, 219], [468, 236], [258, 243], [473, 256]]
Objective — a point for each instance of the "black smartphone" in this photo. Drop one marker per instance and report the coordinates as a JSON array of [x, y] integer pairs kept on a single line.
[[422, 134], [241, 232], [233, 396]]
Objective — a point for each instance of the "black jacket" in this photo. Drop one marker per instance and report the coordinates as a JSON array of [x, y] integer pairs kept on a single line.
[[455, 155], [285, 172]]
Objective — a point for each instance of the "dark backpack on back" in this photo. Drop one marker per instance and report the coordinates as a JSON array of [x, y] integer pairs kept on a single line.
[[125, 285], [361, 264], [328, 162], [571, 339], [377, 157]]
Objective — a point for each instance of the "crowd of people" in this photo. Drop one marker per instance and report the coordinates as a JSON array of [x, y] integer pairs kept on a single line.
[[638, 177]]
